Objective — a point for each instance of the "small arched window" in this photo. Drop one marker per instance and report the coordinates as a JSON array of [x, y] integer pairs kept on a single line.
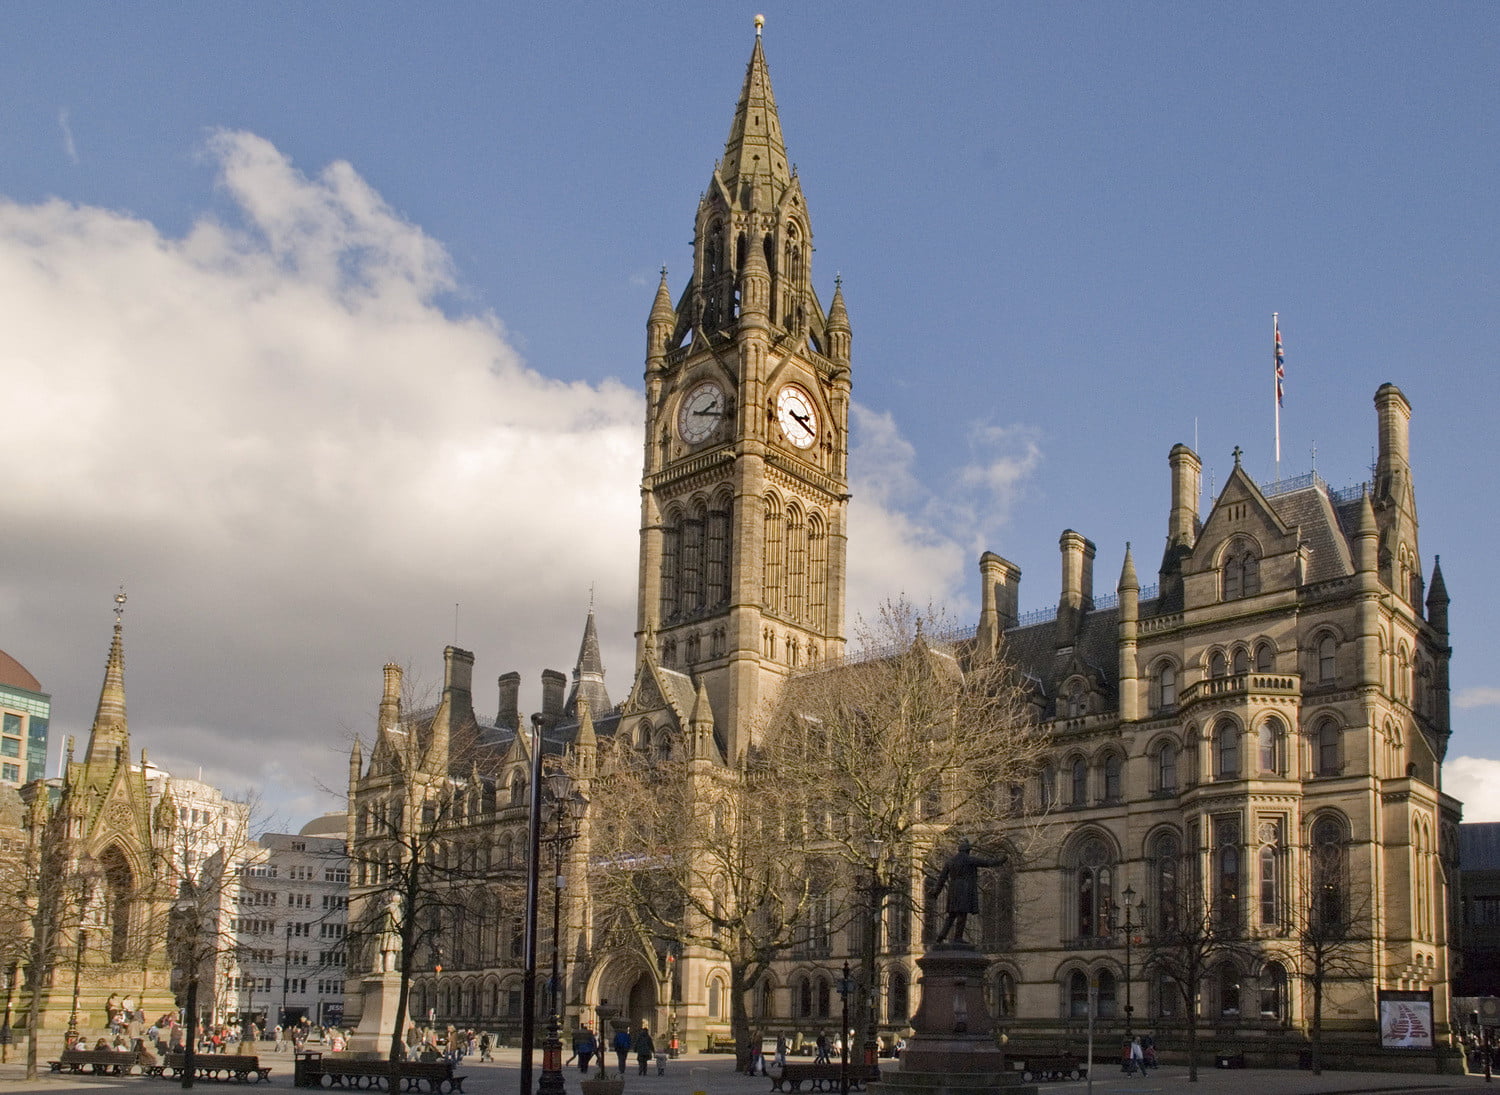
[[1078, 995], [1166, 766], [1217, 666], [1269, 740], [1327, 660], [1164, 694], [1240, 576], [1226, 750], [1241, 660], [1272, 990], [1080, 782], [1265, 658], [899, 995], [1112, 774], [1327, 741], [1227, 981], [1106, 995]]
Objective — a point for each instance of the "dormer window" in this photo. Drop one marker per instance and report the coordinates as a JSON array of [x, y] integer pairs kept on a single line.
[[1077, 703], [1240, 575]]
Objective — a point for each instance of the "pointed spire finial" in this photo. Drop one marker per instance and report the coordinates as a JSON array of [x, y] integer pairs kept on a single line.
[[760, 22], [120, 605]]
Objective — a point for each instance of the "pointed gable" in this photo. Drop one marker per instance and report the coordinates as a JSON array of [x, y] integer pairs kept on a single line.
[[1242, 526]]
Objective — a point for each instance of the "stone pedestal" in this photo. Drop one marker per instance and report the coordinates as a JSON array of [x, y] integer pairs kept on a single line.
[[380, 993], [953, 1051]]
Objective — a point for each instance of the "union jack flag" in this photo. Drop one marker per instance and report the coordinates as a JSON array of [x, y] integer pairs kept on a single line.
[[1280, 365]]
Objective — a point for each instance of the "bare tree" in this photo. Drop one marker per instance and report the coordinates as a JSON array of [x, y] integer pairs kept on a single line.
[[915, 742], [691, 854], [1194, 930]]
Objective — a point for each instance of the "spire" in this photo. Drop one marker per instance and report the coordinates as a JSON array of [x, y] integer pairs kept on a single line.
[[661, 308], [755, 147], [838, 325], [701, 724], [109, 739], [588, 672], [1128, 580], [1437, 597], [1366, 535]]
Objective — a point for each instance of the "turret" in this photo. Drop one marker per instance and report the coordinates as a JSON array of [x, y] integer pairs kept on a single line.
[[1130, 607], [839, 333], [659, 326], [356, 764], [701, 725], [1437, 599], [586, 741]]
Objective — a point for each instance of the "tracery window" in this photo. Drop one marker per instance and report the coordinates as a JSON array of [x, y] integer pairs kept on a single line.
[[1328, 868], [1093, 888]]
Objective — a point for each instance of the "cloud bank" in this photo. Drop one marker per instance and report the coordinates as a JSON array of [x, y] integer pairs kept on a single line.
[[304, 459]]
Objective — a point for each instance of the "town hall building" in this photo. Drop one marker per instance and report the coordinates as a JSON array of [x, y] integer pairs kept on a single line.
[[1264, 724]]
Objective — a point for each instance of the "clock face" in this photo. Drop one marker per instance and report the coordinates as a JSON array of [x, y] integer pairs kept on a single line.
[[799, 422], [701, 412]]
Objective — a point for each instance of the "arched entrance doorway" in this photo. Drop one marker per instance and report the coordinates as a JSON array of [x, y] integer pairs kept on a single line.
[[627, 987], [119, 897]]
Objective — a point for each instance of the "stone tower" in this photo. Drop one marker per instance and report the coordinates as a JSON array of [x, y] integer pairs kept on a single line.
[[744, 492]]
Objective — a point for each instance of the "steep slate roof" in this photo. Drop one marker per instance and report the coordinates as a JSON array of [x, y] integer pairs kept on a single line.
[[1034, 650], [1313, 511]]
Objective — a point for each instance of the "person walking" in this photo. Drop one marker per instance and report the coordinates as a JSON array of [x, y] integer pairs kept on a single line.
[[585, 1047], [823, 1054], [644, 1047], [781, 1051], [621, 1045]]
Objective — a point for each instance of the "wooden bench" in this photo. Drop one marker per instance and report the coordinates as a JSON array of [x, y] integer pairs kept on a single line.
[[720, 1043], [829, 1077], [410, 1075], [217, 1066], [100, 1062], [1061, 1066]]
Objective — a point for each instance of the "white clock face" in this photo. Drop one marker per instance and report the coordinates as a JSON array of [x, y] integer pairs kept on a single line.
[[701, 412], [799, 422]]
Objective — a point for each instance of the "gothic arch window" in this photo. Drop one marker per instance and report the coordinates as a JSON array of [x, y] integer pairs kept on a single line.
[[717, 552], [1226, 749], [1228, 869], [1329, 874], [1271, 869], [1239, 575], [716, 992], [765, 999], [803, 993], [775, 562], [1271, 745], [1105, 983], [1003, 995], [898, 995], [1190, 761], [1328, 746], [1078, 995], [1265, 657], [1240, 661], [1079, 781], [1164, 686], [817, 571], [1326, 664], [1093, 888], [690, 597], [1226, 985], [1078, 699], [119, 900], [824, 1002], [1273, 991], [1218, 666], [1164, 766], [671, 562], [1403, 674], [1164, 897], [1113, 777], [1423, 918], [796, 563]]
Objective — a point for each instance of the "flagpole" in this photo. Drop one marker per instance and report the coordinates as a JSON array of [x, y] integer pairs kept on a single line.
[[1276, 388]]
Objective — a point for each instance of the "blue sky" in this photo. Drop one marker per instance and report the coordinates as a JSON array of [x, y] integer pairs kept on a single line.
[[325, 318]]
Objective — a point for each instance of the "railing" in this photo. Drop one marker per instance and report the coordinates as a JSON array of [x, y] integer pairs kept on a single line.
[[1242, 684], [1312, 479], [1107, 600]]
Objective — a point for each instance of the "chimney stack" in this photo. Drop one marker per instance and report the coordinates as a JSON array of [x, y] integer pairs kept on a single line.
[[553, 685], [999, 596], [508, 714]]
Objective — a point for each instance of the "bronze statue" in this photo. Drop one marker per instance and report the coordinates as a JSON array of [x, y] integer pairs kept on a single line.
[[961, 875]]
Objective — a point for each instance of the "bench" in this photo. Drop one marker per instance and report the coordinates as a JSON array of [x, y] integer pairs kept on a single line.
[[1062, 1066], [720, 1043], [217, 1066], [828, 1077], [100, 1062], [410, 1075]]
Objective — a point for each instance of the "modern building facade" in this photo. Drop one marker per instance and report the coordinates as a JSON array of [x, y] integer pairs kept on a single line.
[[1268, 721], [26, 715]]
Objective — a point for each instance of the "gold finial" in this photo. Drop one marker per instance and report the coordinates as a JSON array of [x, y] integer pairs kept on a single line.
[[760, 21], [120, 602]]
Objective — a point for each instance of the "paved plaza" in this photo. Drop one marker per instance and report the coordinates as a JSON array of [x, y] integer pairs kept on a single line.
[[715, 1075]]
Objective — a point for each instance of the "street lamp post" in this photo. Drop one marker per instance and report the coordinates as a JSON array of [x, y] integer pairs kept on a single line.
[[845, 987], [80, 946], [566, 809], [534, 848], [1129, 930], [874, 848]]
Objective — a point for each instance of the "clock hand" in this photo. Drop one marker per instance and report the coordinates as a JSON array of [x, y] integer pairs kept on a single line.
[[801, 421]]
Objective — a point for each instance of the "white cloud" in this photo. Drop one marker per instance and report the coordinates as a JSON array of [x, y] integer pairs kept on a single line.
[[299, 455], [1474, 781], [297, 462], [1477, 697]]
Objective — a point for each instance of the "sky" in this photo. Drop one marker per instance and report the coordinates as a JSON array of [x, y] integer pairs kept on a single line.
[[323, 325]]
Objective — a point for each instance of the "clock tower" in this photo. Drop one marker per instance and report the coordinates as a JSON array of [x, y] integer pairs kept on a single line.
[[744, 492]]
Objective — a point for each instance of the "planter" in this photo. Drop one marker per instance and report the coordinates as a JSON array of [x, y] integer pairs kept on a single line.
[[602, 1087]]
